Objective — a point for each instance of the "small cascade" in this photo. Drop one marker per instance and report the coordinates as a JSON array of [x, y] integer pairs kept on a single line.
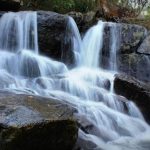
[[107, 120], [22, 27], [76, 41], [92, 45], [114, 45], [19, 58]]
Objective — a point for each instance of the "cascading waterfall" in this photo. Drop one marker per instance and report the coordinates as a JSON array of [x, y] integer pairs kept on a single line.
[[91, 53], [23, 28], [75, 39], [114, 45], [19, 55], [108, 121]]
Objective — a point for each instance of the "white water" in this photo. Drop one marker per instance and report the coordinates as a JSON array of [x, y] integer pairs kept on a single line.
[[22, 27], [114, 46], [108, 121], [91, 46]]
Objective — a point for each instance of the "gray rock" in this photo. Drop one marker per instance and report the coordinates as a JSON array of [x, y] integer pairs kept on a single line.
[[52, 33], [128, 60], [145, 46], [135, 90], [29, 122], [135, 65], [130, 36], [83, 21]]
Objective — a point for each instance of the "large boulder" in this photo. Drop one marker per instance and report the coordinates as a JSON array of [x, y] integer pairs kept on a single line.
[[129, 38], [30, 122], [52, 36], [134, 64], [145, 46], [134, 90], [83, 20]]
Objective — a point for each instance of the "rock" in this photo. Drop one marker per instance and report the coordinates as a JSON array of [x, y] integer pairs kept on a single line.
[[30, 122], [52, 34], [130, 37], [135, 65], [134, 90], [145, 46], [10, 5], [83, 21]]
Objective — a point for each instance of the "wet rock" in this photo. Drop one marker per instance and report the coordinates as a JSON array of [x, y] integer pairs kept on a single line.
[[135, 65], [29, 122], [84, 21], [145, 46], [134, 90], [51, 36], [130, 37]]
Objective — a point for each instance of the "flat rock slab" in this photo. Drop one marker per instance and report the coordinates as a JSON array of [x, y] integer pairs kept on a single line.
[[30, 122]]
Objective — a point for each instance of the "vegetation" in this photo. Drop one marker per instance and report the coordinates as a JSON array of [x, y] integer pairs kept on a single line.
[[109, 8], [61, 6], [122, 8]]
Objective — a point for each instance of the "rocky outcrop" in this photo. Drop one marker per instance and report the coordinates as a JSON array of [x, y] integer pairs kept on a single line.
[[135, 90], [136, 65], [145, 46], [29, 122], [83, 21], [52, 30], [129, 38]]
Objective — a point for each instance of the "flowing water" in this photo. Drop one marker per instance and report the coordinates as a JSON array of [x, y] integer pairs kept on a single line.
[[107, 121]]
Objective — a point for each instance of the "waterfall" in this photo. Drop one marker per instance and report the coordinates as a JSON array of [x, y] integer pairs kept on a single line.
[[76, 41], [114, 45], [107, 121], [22, 27], [92, 45]]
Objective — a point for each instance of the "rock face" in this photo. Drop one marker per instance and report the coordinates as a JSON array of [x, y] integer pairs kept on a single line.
[[52, 30], [129, 38], [84, 21], [135, 65], [30, 123], [135, 90], [145, 46]]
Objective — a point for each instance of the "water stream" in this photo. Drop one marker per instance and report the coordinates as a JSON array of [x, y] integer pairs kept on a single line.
[[107, 121]]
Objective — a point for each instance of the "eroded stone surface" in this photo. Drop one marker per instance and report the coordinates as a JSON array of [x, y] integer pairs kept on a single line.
[[32, 122]]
